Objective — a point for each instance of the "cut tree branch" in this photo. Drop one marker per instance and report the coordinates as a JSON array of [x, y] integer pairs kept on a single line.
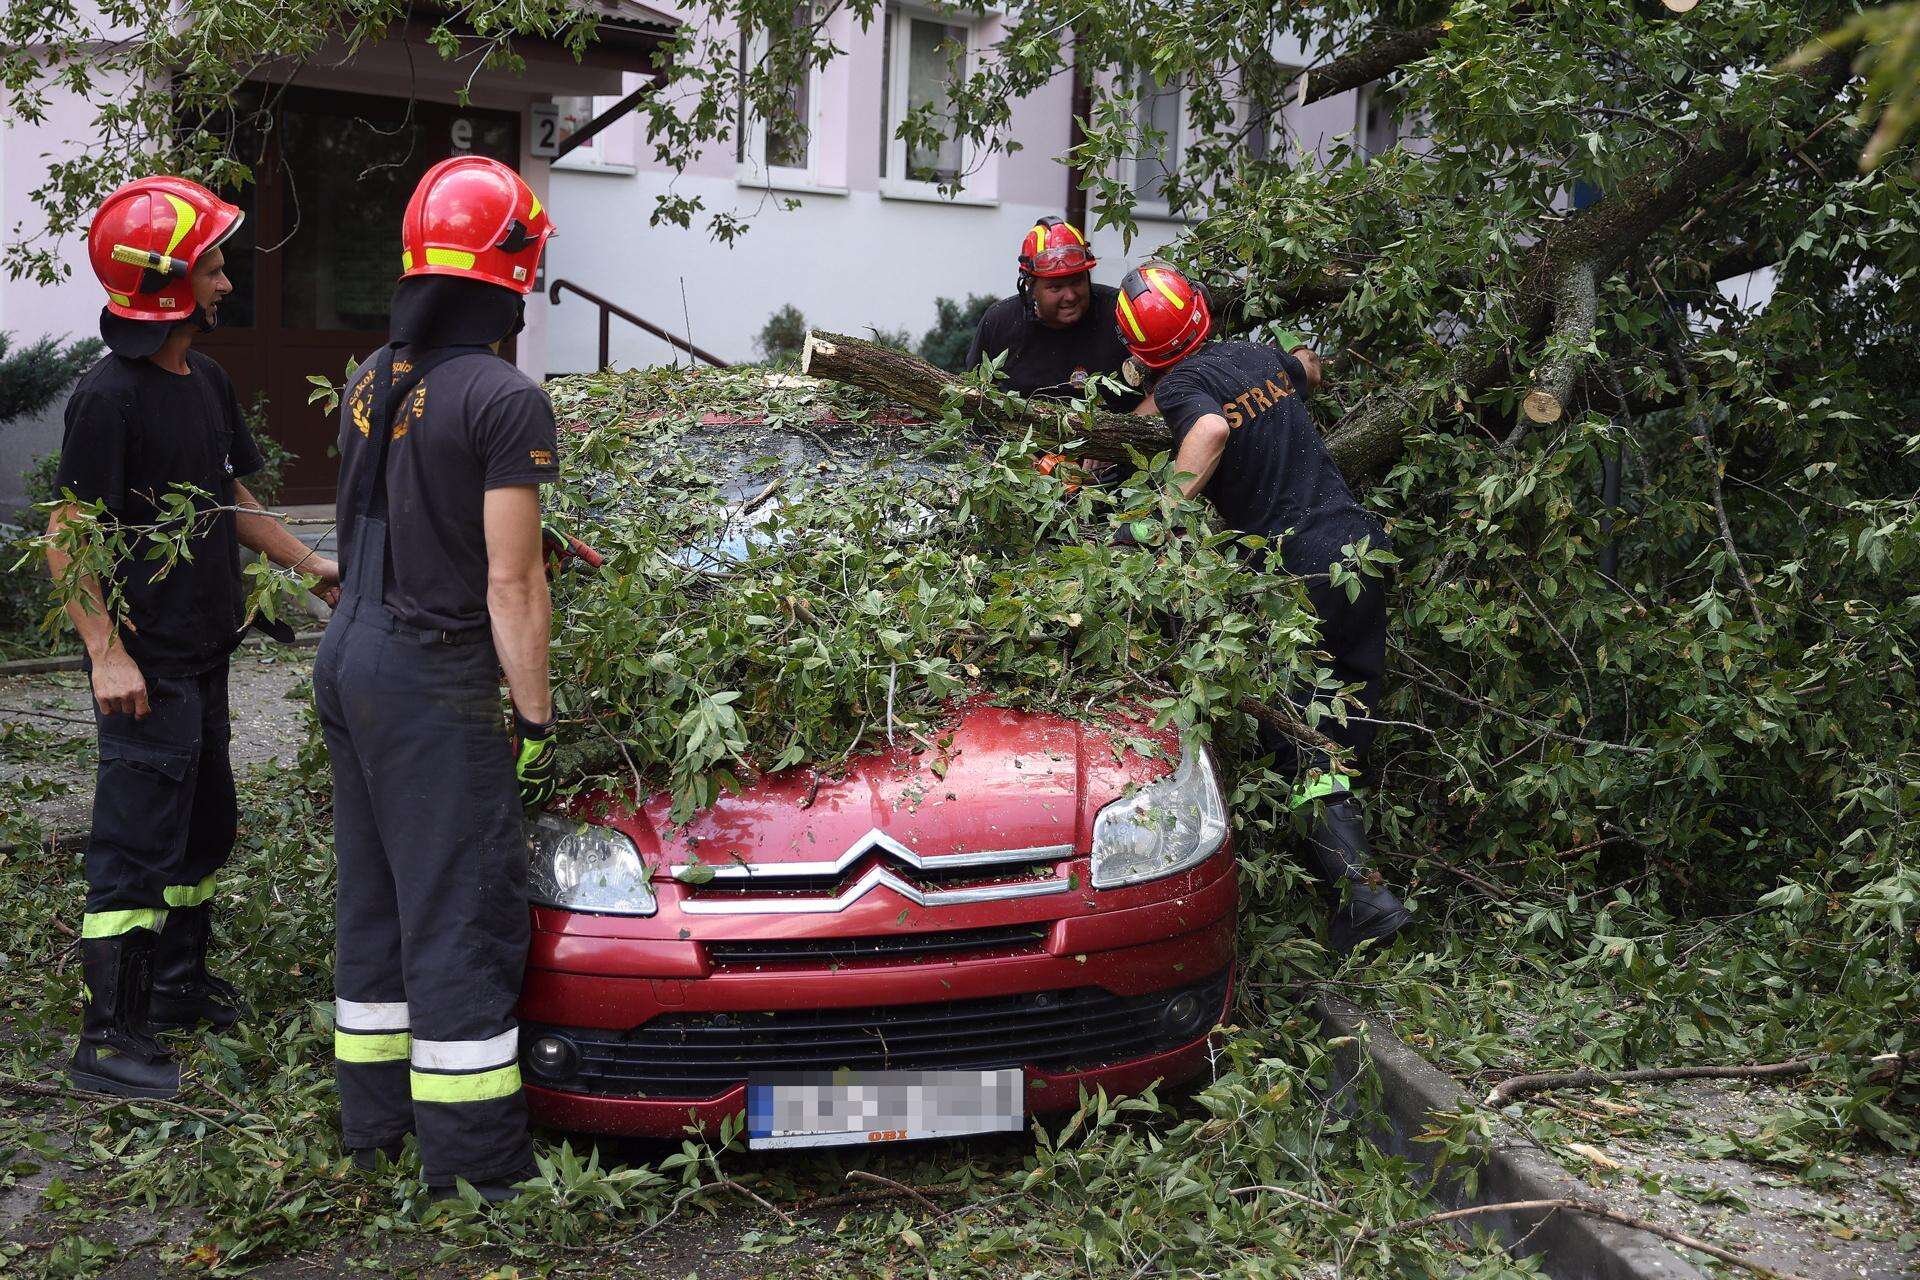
[[1680, 1238], [1602, 235], [1575, 307], [911, 381], [1546, 1081]]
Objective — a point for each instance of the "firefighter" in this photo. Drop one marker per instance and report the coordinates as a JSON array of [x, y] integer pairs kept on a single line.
[[152, 417], [1243, 439], [1055, 332], [443, 447]]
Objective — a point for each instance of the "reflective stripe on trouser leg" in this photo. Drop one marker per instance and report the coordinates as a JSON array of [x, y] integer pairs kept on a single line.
[[190, 895], [111, 924], [370, 1031], [456, 1071]]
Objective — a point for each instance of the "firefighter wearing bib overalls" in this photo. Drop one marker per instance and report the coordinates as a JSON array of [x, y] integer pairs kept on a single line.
[[443, 445]]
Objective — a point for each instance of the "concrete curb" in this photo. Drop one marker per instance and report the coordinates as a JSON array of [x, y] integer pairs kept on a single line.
[[71, 662], [1569, 1246]]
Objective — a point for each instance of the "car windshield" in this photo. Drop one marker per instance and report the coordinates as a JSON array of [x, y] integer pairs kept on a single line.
[[750, 463]]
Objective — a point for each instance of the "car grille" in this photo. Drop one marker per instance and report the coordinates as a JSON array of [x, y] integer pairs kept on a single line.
[[901, 946], [772, 881], [698, 1055]]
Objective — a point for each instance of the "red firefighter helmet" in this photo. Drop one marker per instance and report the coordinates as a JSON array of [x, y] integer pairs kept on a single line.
[[1055, 247], [1162, 316], [145, 239], [474, 217]]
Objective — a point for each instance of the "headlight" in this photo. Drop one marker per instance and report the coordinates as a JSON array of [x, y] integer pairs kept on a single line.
[[1164, 827], [587, 868]]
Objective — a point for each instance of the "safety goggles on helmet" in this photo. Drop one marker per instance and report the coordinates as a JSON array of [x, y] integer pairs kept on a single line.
[[1055, 247], [1064, 260]]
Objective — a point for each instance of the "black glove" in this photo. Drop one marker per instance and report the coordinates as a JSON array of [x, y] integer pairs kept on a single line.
[[1123, 536], [535, 760]]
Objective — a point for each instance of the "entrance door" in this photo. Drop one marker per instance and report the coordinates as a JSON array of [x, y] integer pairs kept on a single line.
[[315, 264]]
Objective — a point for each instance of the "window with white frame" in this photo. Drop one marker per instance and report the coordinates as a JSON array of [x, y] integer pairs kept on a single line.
[[1161, 119], [780, 149], [1376, 123], [576, 113], [926, 55]]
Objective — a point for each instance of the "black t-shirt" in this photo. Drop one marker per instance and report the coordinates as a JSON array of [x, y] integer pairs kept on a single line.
[[1275, 477], [473, 424], [1053, 362], [134, 433]]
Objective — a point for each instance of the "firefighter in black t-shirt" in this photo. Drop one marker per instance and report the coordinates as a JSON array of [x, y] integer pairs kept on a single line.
[[151, 419], [443, 447], [1245, 441], [1056, 331]]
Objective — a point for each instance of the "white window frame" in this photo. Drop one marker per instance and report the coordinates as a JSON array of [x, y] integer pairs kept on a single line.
[[754, 171], [1144, 206], [1363, 101], [588, 157], [894, 183]]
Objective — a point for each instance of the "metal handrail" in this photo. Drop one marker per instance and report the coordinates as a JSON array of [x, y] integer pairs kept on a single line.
[[610, 309]]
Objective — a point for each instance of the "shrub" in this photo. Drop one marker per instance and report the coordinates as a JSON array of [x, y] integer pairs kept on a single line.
[[30, 378], [946, 344], [784, 333]]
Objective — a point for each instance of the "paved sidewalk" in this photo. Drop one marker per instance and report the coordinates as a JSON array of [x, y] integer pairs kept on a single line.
[[267, 693]]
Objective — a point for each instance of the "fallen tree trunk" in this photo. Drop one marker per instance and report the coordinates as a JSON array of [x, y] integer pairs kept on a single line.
[[911, 381]]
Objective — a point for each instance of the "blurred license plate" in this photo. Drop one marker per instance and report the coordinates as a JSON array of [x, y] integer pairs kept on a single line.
[[849, 1107]]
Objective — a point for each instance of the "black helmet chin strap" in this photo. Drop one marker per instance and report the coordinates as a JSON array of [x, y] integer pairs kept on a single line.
[[1025, 289]]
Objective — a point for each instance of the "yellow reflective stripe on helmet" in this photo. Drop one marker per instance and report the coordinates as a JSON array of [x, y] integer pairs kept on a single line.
[[406, 259], [1325, 785], [183, 219], [111, 924], [376, 1046], [188, 895], [1166, 290], [120, 298], [533, 210], [1076, 232], [437, 257], [1126, 311], [480, 1086]]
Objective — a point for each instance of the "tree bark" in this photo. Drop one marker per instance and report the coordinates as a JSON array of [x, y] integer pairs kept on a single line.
[[1372, 61], [911, 381], [1574, 312], [908, 380]]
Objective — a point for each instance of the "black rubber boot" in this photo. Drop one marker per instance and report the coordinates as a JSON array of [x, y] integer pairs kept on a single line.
[[184, 993], [369, 1159], [117, 1053], [1343, 860], [493, 1190]]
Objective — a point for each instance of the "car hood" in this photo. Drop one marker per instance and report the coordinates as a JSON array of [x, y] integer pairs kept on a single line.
[[996, 780]]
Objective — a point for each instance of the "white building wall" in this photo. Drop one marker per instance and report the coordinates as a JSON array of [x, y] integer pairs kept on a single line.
[[852, 255]]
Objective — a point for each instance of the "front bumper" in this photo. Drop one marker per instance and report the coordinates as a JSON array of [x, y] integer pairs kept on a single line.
[[660, 1037]]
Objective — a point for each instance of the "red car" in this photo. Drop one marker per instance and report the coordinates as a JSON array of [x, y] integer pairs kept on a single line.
[[1037, 899]]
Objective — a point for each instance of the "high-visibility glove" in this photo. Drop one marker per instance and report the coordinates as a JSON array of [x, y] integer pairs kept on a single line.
[[536, 760]]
